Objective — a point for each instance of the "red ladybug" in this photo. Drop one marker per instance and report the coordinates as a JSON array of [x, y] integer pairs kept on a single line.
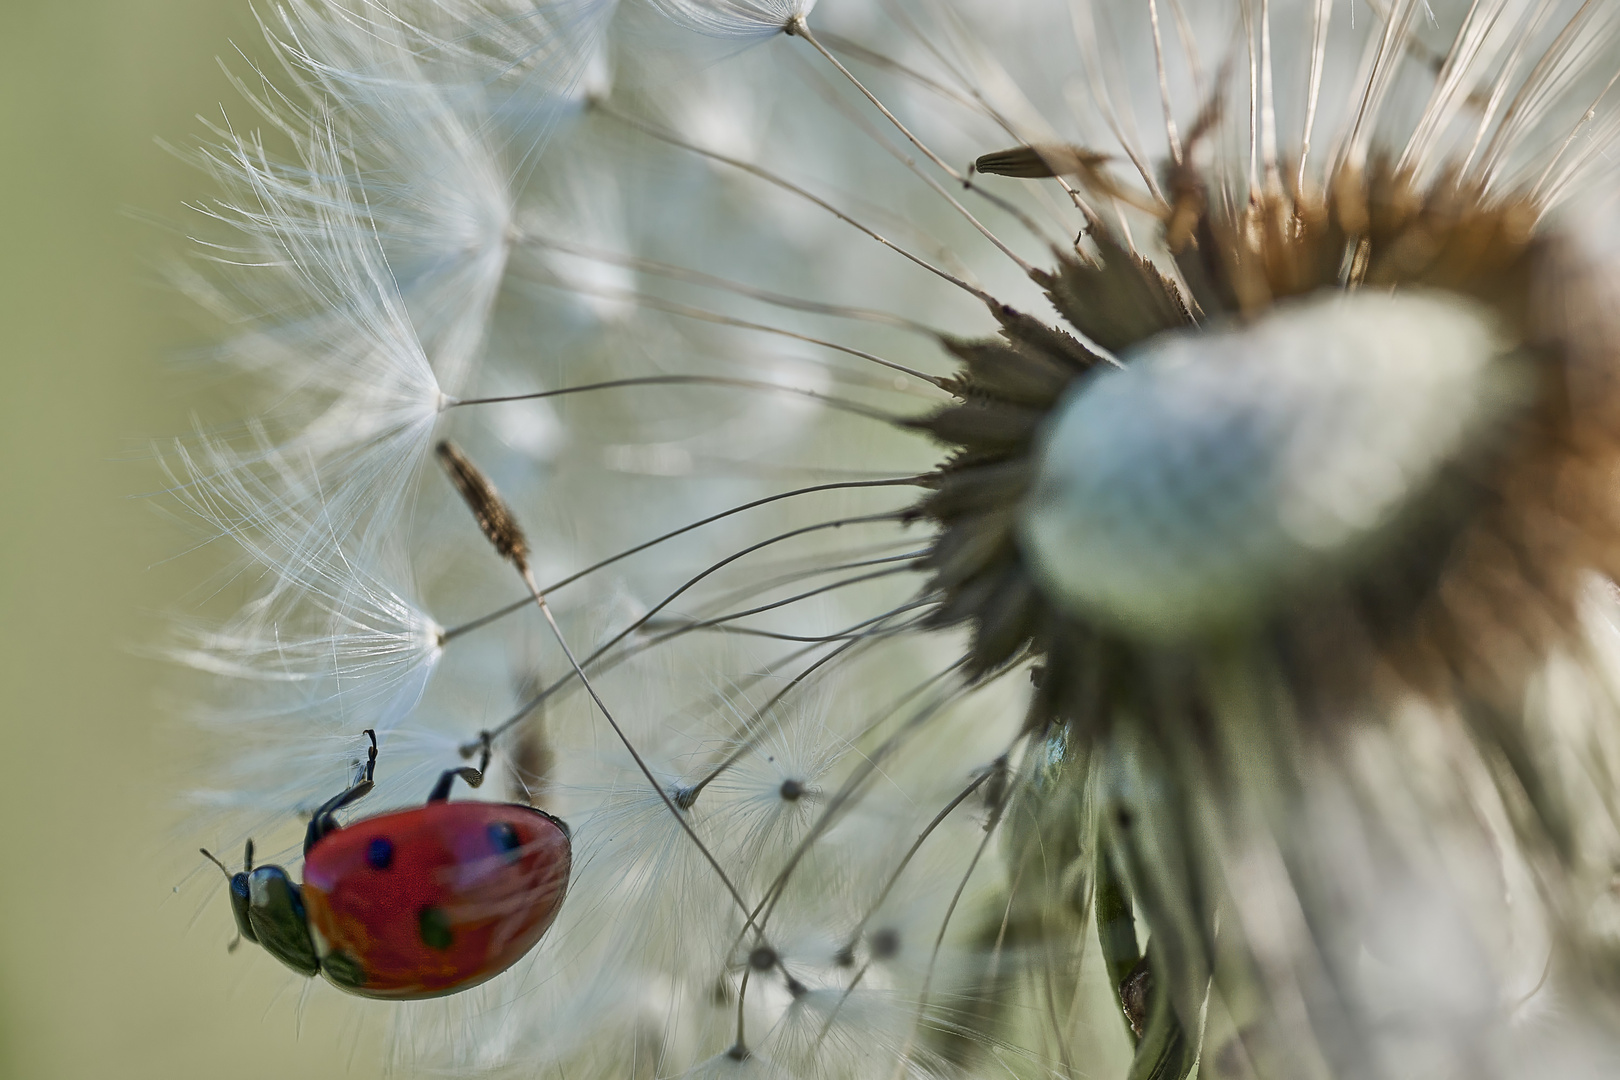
[[412, 904]]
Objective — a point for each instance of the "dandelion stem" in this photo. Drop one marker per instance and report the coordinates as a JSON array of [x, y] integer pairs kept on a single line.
[[747, 729], [698, 277], [852, 785], [939, 939], [819, 590], [742, 997], [801, 29], [916, 844], [1164, 85], [1519, 113], [842, 44], [504, 533], [815, 566], [1116, 926], [888, 886], [849, 639], [754, 734], [518, 605], [671, 307], [966, 180], [841, 404], [675, 812], [529, 706], [975, 95], [847, 634], [846, 792], [1536, 193], [788, 186], [1319, 29]]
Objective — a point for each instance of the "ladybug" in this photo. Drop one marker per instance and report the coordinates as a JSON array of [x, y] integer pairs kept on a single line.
[[415, 903]]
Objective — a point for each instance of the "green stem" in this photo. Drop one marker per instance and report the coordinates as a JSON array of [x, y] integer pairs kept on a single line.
[[1116, 927]]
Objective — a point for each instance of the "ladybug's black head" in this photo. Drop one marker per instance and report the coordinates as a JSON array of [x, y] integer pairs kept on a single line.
[[269, 910], [240, 892], [239, 905]]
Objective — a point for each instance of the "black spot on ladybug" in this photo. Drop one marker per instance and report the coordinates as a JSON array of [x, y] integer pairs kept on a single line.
[[762, 958], [505, 839], [380, 853], [434, 926], [343, 969], [885, 943], [791, 790]]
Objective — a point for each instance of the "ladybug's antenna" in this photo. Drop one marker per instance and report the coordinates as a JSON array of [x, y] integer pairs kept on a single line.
[[222, 867], [500, 526], [230, 877]]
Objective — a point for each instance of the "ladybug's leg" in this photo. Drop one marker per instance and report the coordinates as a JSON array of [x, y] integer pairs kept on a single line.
[[474, 777], [324, 822]]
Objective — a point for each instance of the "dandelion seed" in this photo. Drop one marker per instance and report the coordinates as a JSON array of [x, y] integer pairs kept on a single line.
[[745, 19], [1144, 596]]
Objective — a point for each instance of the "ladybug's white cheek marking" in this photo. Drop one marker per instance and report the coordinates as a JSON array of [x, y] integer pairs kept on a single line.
[[323, 948]]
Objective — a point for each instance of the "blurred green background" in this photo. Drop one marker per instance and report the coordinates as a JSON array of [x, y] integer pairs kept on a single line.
[[106, 970]]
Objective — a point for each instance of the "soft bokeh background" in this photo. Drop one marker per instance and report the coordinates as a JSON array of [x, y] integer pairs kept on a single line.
[[105, 970]]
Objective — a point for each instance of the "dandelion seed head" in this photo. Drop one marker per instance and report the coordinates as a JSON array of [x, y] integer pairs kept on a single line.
[[1167, 563], [738, 1063], [356, 393], [325, 632], [737, 19], [772, 794]]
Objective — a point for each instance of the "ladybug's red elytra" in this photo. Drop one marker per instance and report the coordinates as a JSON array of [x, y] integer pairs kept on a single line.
[[415, 903]]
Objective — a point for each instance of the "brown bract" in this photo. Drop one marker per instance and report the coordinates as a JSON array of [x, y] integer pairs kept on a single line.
[[1468, 596]]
